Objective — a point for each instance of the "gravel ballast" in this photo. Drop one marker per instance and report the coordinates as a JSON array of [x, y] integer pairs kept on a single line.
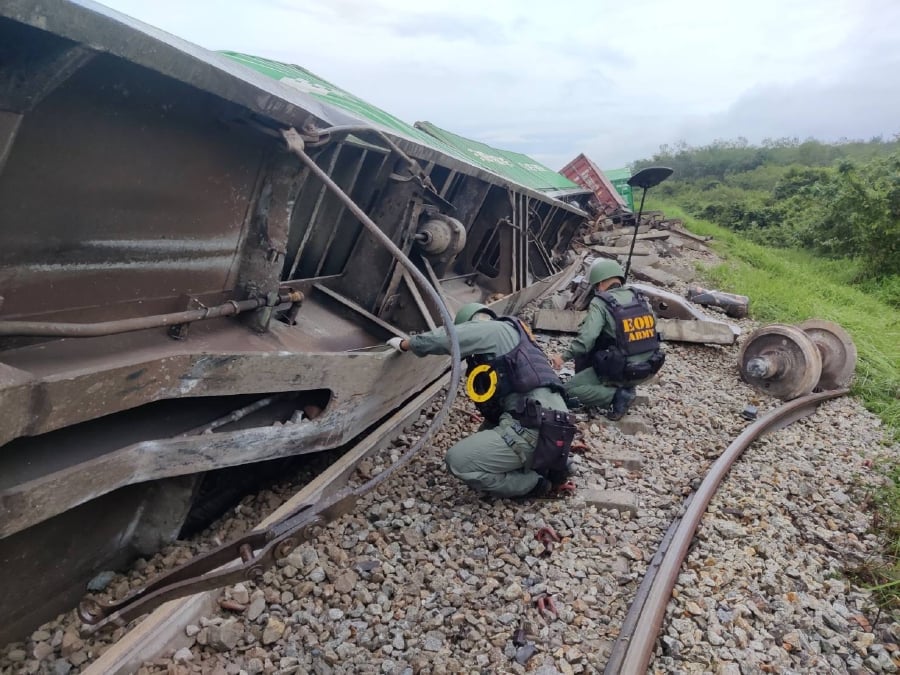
[[427, 577]]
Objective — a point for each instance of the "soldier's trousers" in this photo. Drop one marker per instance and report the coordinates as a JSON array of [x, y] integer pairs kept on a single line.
[[593, 392], [495, 460]]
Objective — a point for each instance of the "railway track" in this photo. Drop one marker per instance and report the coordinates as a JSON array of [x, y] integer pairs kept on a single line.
[[164, 629], [168, 628], [634, 646]]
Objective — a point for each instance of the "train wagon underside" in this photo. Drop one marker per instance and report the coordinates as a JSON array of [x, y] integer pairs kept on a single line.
[[179, 295]]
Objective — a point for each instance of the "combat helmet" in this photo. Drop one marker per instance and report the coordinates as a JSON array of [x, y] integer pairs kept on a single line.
[[466, 312], [605, 269]]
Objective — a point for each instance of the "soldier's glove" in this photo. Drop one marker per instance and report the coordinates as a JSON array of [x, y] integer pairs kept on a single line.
[[396, 343]]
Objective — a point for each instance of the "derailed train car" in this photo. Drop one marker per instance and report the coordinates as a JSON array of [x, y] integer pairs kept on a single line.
[[179, 295]]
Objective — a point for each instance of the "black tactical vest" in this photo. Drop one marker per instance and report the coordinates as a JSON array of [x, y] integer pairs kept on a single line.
[[519, 371], [636, 334], [635, 325]]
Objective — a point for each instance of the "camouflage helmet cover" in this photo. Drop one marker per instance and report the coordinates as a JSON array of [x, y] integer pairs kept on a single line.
[[466, 312], [605, 269]]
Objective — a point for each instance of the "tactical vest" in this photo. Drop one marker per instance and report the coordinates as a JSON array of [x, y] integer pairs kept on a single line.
[[519, 371], [636, 333]]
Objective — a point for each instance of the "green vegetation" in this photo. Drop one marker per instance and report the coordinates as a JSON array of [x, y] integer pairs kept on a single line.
[[885, 580], [789, 286], [810, 230], [841, 202]]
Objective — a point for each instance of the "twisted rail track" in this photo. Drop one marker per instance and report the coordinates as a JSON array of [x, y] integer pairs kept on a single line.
[[634, 646]]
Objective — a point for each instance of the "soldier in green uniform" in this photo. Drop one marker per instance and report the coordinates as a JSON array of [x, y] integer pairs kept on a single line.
[[617, 345], [508, 375]]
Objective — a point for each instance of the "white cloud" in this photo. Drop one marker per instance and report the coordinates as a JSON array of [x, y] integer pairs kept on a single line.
[[612, 79]]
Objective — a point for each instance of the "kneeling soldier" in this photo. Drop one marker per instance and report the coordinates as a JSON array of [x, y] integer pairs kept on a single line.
[[617, 345], [523, 449]]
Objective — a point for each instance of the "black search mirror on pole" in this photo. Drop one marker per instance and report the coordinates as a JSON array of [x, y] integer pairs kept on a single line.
[[644, 179]]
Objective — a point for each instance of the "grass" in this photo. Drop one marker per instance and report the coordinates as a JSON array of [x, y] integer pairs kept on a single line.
[[884, 578], [786, 286]]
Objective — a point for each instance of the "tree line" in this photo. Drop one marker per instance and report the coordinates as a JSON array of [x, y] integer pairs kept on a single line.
[[837, 200]]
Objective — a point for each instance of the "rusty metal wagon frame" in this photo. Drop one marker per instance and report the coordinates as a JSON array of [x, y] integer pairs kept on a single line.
[[179, 293]]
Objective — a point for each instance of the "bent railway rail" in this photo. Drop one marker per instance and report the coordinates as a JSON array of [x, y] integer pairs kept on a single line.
[[634, 646]]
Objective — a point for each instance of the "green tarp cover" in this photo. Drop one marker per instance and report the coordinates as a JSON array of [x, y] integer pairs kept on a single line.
[[619, 179], [514, 166]]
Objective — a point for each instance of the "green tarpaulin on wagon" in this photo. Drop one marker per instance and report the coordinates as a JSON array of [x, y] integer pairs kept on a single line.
[[619, 179], [513, 166]]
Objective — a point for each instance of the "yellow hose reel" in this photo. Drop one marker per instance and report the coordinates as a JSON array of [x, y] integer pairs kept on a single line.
[[475, 383]]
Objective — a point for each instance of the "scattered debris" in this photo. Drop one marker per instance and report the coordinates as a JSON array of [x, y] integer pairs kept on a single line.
[[615, 252], [735, 306], [703, 332], [547, 536], [655, 275], [101, 581], [520, 635], [546, 606], [524, 653], [749, 412]]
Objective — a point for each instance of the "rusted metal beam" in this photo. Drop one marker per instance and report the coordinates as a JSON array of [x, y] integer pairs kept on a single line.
[[347, 302], [435, 282], [340, 214], [85, 330], [311, 222], [420, 302]]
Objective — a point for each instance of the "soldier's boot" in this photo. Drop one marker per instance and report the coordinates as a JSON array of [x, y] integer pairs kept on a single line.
[[573, 403], [541, 489], [622, 400]]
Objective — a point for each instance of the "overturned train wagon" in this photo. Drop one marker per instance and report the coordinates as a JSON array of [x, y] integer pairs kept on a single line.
[[179, 294]]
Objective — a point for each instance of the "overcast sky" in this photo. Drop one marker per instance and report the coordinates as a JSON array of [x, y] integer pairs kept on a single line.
[[614, 80]]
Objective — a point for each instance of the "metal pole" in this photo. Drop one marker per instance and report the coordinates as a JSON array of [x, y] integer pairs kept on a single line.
[[85, 330], [637, 224]]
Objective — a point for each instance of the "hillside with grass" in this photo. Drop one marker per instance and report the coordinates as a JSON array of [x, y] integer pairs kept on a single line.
[[839, 202], [809, 230]]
